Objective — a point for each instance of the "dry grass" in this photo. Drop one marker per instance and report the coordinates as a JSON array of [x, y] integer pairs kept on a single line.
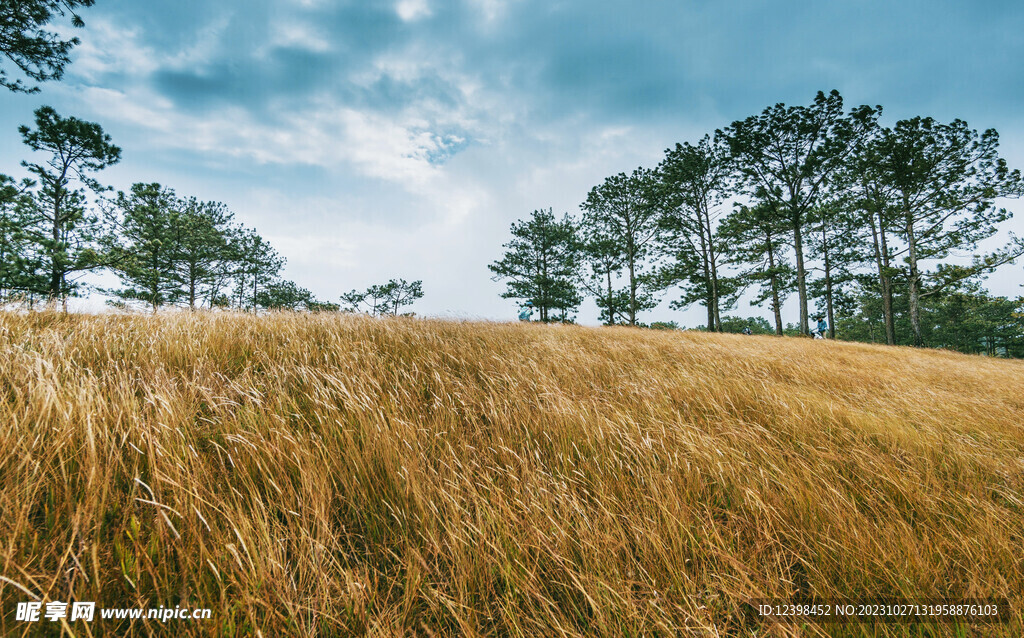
[[336, 476]]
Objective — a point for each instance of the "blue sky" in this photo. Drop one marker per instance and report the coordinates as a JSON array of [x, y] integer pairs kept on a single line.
[[378, 139]]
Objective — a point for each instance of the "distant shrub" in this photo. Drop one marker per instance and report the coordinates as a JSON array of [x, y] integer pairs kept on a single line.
[[665, 325]]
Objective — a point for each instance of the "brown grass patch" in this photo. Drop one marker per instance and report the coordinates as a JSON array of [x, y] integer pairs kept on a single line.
[[336, 475]]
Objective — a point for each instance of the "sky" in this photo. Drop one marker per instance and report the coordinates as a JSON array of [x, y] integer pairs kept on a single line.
[[375, 139]]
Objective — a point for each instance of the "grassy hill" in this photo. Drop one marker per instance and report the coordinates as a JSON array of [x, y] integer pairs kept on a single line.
[[336, 475]]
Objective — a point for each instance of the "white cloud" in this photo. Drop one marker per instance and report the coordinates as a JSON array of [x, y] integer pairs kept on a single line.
[[204, 47], [401, 147], [298, 35], [117, 49], [337, 250], [326, 135], [111, 49], [410, 10]]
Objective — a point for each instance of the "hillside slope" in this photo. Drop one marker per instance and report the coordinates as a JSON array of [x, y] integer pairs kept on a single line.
[[335, 476]]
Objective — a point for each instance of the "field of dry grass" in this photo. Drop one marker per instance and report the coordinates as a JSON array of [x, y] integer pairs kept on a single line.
[[337, 475]]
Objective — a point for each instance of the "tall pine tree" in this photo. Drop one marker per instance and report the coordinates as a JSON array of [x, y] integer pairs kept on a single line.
[[541, 263], [67, 233]]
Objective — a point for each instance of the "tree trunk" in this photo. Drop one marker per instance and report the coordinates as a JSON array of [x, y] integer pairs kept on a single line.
[[716, 313], [155, 290], [776, 305], [632, 286], [545, 292], [828, 284], [714, 270], [801, 275], [884, 281], [709, 299], [915, 284], [611, 302], [56, 275]]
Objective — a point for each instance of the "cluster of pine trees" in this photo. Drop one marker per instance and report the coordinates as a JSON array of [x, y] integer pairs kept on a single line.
[[861, 222], [61, 223]]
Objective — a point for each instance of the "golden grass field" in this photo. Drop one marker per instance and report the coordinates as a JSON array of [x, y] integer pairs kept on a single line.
[[331, 475]]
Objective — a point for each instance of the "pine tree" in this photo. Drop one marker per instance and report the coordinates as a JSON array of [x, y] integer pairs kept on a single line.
[[694, 181], [257, 265], [832, 242], [624, 209], [147, 251], [67, 233], [21, 267], [203, 260], [541, 263], [605, 260]]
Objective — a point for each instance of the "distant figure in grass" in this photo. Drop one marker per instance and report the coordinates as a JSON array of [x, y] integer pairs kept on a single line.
[[526, 314], [748, 331], [822, 331]]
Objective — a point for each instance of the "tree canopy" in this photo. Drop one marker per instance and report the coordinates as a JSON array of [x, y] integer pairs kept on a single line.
[[39, 54], [64, 230], [541, 264]]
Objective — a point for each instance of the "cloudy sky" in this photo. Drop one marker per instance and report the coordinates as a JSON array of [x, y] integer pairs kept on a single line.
[[370, 139]]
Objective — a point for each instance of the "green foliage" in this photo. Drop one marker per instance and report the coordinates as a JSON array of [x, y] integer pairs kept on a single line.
[[541, 264], [146, 251], [757, 246], [693, 182], [603, 257], [353, 300], [836, 208], [63, 230], [624, 210], [664, 325], [205, 260], [942, 182], [21, 273], [383, 299], [315, 305], [40, 54], [257, 266], [786, 156], [962, 316], [171, 250], [833, 243], [757, 325], [400, 293], [284, 295], [165, 249]]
